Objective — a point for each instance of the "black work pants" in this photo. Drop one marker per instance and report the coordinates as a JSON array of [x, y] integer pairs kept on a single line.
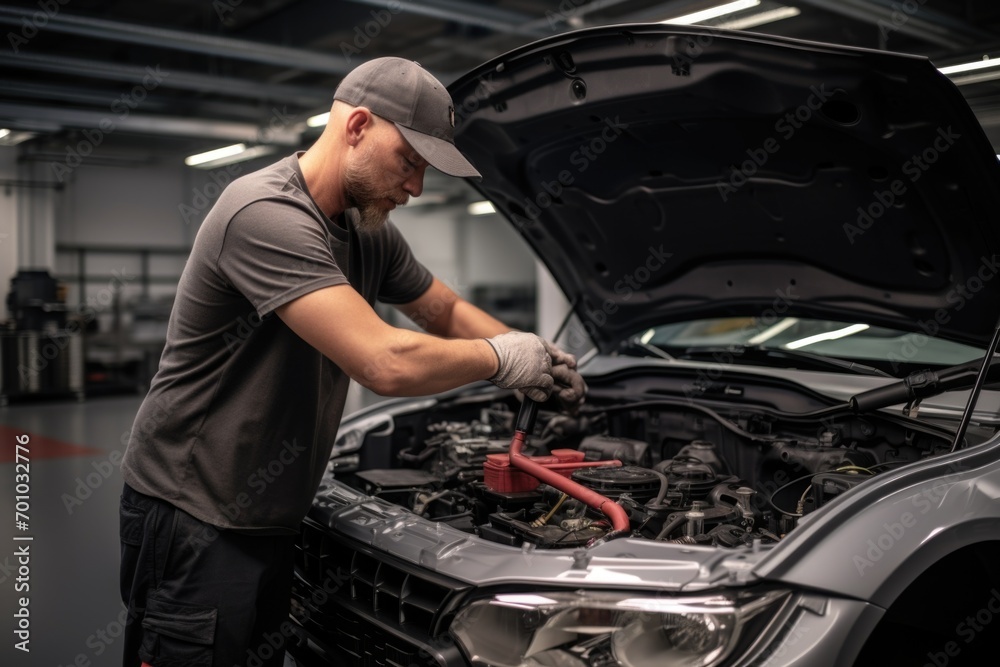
[[198, 596]]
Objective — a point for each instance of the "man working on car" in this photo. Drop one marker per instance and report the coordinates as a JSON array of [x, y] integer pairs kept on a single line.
[[273, 316]]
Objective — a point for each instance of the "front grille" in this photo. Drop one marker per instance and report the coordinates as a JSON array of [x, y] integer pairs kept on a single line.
[[374, 609]]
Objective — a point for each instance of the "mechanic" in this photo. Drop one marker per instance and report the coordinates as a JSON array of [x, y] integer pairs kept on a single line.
[[273, 316]]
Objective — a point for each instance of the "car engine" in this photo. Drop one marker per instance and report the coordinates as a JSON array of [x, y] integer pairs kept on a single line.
[[706, 473]]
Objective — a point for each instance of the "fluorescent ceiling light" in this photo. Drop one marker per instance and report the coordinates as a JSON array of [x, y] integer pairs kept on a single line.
[[14, 137], [217, 154], [481, 208], [713, 12], [319, 120], [220, 157], [976, 77], [829, 335], [772, 331], [428, 199], [966, 67], [755, 20]]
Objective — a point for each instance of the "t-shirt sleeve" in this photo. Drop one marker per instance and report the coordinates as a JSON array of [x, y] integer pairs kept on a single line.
[[275, 252], [405, 277]]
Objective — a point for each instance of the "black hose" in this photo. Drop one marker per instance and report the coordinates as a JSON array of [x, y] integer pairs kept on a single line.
[[655, 502], [672, 526]]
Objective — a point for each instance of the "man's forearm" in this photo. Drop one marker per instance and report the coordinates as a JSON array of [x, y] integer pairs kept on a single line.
[[469, 321], [415, 364]]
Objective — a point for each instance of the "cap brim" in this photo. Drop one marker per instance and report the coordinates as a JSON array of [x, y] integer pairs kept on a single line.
[[441, 154]]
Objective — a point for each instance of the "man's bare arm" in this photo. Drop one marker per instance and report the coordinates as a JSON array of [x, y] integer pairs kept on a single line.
[[390, 361], [442, 312]]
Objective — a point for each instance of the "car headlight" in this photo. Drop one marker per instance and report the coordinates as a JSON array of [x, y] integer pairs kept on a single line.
[[589, 629]]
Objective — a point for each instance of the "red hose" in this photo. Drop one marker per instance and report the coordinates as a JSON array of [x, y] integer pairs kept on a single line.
[[610, 509]]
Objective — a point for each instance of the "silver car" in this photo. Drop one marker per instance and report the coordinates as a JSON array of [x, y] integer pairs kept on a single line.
[[782, 255]]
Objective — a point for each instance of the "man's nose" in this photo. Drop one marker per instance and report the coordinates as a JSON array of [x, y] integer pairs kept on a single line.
[[414, 185]]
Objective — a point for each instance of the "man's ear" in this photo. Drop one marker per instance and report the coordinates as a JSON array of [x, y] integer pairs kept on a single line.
[[359, 122]]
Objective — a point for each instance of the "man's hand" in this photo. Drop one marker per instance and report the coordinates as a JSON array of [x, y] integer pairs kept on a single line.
[[558, 356], [525, 363], [569, 389]]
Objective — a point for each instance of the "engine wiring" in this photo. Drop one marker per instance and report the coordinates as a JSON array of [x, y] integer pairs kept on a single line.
[[800, 505], [689, 472]]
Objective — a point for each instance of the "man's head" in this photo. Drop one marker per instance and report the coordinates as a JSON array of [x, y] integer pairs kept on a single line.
[[404, 93], [383, 170]]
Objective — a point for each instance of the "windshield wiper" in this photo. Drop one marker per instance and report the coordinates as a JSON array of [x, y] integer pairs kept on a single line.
[[761, 353], [853, 366], [634, 343]]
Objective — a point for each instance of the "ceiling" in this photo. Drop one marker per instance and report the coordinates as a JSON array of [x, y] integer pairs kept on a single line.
[[172, 77]]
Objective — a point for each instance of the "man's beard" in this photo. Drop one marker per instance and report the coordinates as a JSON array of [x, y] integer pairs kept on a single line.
[[359, 183]]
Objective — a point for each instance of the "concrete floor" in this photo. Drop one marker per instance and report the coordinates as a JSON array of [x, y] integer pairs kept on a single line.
[[74, 606], [75, 613]]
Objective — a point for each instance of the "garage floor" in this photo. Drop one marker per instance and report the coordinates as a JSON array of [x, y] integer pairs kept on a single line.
[[74, 607], [75, 615]]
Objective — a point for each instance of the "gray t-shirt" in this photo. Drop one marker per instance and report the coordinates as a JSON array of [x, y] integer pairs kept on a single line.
[[241, 416]]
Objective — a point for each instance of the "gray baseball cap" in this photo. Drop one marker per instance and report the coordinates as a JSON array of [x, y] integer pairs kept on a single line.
[[418, 104]]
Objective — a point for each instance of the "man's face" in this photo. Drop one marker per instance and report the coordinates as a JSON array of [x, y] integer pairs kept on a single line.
[[383, 174]]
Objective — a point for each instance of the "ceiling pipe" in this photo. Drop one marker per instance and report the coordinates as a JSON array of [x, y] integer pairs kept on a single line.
[[179, 80], [484, 16], [926, 24], [180, 40], [151, 124]]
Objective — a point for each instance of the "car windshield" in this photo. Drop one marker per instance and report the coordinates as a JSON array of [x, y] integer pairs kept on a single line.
[[792, 341]]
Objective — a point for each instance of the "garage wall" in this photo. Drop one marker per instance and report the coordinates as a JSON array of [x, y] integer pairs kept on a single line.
[[8, 223], [464, 250], [123, 206], [160, 205]]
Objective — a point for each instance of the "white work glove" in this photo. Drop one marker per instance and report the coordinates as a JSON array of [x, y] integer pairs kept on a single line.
[[569, 387], [525, 364]]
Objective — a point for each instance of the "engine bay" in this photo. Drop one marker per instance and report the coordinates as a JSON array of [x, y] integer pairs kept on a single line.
[[708, 473]]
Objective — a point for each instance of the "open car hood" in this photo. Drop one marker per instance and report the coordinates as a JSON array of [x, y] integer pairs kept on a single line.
[[668, 173]]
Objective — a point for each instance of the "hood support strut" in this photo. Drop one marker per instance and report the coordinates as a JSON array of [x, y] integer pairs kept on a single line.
[[976, 388]]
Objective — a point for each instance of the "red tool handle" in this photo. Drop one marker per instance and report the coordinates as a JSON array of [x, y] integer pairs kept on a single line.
[[603, 504]]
